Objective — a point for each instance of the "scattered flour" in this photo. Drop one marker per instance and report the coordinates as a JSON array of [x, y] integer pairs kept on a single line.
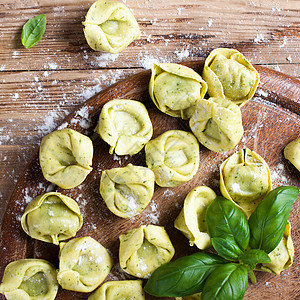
[[260, 38]]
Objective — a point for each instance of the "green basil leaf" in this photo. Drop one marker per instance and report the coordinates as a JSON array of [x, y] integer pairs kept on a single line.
[[33, 30], [228, 228], [226, 282], [254, 256], [267, 223], [184, 276]]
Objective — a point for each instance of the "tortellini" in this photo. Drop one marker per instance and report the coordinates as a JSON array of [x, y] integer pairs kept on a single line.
[[52, 217], [125, 289], [144, 249], [29, 279], [173, 157], [245, 179], [83, 264], [217, 124], [192, 297], [127, 191], [110, 26], [282, 256], [175, 89], [192, 221], [229, 75], [66, 157], [125, 125], [292, 152]]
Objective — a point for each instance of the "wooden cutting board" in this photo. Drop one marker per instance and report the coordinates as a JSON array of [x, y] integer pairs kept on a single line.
[[270, 119]]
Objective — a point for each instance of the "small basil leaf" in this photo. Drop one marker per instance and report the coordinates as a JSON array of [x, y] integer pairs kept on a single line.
[[254, 256], [227, 248], [184, 276], [226, 282], [267, 223], [226, 222], [33, 31]]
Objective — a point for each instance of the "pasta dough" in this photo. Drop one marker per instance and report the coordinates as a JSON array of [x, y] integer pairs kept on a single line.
[[217, 124], [144, 249], [125, 125], [110, 26], [52, 217], [192, 221], [125, 289], [282, 256], [229, 75], [245, 179], [83, 264], [127, 191], [66, 157], [173, 157], [175, 89], [292, 152], [192, 297], [29, 279]]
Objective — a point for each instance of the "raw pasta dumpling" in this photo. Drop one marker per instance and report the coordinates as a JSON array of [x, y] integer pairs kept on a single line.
[[173, 157], [192, 221], [52, 217], [282, 256], [29, 279], [125, 125], [292, 152], [66, 157], [175, 89], [192, 297], [123, 290], [110, 26], [245, 179], [83, 264], [144, 249], [127, 191], [229, 75], [217, 124]]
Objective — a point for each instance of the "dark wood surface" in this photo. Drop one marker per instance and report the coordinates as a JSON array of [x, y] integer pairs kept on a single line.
[[270, 119]]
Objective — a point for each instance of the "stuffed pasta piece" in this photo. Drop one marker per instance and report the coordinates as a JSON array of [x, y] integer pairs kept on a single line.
[[173, 157], [192, 221], [282, 256], [66, 157], [192, 297], [110, 26], [175, 89], [125, 125], [52, 217], [229, 75], [127, 191], [125, 289], [144, 249], [29, 279], [83, 264], [292, 153], [245, 179], [217, 124]]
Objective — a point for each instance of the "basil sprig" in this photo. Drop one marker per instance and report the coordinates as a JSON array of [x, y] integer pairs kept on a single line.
[[33, 31], [231, 237], [268, 221], [228, 228], [183, 277]]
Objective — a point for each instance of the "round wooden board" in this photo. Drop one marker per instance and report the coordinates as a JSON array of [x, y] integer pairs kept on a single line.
[[270, 119]]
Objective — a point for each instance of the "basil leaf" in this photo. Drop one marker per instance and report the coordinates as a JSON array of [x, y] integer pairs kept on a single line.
[[33, 30], [226, 282], [184, 276], [228, 228], [255, 256], [267, 223]]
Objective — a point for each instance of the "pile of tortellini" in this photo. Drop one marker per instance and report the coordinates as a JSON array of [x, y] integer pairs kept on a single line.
[[172, 159]]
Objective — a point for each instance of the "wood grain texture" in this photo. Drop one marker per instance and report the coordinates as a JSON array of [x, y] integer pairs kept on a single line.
[[268, 128]]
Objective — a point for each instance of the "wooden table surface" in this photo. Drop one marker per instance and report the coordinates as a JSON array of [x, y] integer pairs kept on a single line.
[[42, 85]]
